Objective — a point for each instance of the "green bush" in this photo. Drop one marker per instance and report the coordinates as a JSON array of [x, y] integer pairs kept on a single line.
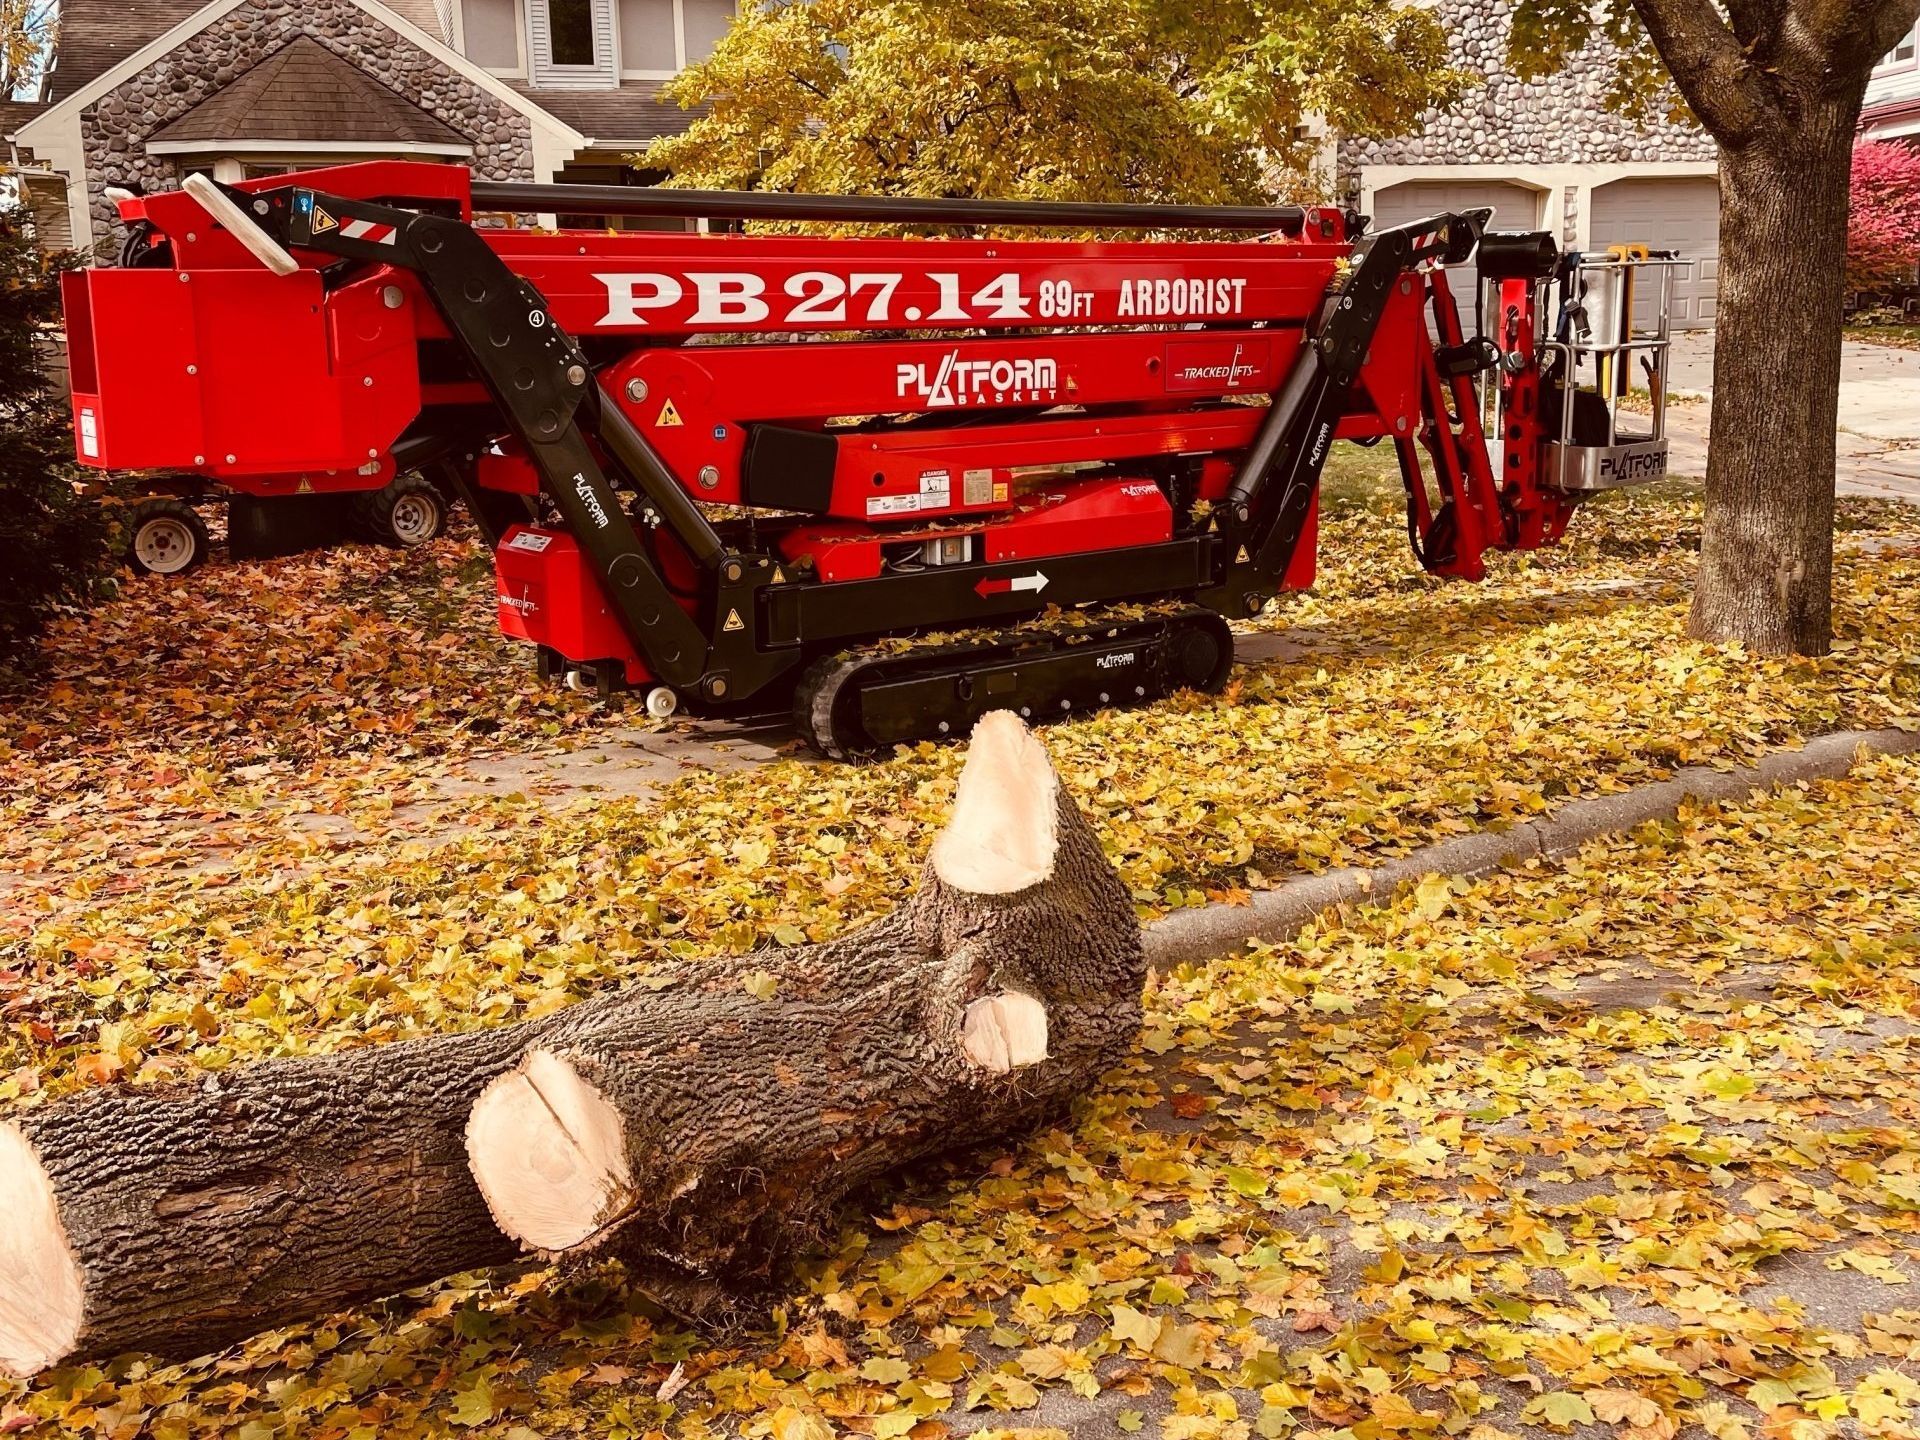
[[55, 544]]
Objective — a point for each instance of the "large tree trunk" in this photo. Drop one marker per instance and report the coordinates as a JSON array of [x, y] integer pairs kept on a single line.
[[1766, 555], [703, 1128]]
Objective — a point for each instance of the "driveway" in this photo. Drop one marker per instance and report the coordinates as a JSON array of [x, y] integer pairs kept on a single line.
[[1879, 441]]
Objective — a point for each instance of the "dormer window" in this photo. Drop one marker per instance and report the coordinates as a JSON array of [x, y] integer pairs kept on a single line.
[[571, 44], [570, 32]]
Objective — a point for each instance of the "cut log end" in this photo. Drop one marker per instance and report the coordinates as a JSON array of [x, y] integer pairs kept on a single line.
[[1001, 838], [42, 1292], [1004, 1032], [549, 1154]]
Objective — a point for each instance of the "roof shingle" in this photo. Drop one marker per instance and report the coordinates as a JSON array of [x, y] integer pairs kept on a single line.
[[15, 113], [96, 35], [630, 116]]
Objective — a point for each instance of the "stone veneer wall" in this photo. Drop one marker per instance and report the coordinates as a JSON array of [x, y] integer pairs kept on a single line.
[[116, 126], [1560, 120]]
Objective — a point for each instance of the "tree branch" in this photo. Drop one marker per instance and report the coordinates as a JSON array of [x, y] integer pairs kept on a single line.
[[1859, 33], [1727, 91], [1755, 20]]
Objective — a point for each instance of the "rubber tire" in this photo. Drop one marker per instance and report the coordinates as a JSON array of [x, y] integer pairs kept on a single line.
[[178, 511], [374, 511]]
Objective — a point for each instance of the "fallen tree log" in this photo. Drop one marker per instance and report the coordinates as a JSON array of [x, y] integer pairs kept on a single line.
[[697, 1131]]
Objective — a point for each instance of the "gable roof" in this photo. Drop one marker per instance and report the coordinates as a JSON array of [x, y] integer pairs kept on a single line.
[[304, 92], [96, 35], [631, 115], [59, 111]]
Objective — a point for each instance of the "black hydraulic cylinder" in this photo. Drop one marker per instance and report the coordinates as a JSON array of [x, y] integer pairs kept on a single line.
[[529, 198], [1517, 255]]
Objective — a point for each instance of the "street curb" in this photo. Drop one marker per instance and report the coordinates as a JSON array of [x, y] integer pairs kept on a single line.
[[1211, 931]]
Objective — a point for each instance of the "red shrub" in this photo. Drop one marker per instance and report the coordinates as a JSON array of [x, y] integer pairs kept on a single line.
[[1883, 235]]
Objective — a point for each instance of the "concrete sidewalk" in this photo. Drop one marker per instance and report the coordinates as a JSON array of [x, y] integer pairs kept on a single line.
[[1879, 440]]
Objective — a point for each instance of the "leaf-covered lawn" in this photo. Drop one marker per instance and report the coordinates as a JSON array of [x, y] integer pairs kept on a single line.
[[234, 825], [1626, 1147], [230, 829]]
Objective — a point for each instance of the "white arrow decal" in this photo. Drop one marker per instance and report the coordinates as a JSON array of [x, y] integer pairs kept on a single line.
[[1036, 582]]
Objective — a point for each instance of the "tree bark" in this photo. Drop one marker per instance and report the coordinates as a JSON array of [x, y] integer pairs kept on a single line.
[[699, 1131], [175, 1221], [1766, 553]]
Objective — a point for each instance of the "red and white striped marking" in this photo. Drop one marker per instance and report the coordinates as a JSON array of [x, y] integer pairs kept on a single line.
[[372, 231]]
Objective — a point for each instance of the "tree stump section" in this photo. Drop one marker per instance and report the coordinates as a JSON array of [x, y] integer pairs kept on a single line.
[[699, 1132]]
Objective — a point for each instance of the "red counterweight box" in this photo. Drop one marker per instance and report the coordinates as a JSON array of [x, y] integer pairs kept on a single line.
[[548, 596]]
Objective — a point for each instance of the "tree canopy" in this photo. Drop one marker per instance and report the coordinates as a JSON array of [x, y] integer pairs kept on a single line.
[[1203, 101], [1744, 68]]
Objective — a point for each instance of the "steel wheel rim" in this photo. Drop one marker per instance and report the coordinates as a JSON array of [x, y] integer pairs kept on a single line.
[[164, 545], [415, 518]]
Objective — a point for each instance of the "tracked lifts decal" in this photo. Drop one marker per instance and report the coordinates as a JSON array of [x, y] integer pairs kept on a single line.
[[1210, 365], [953, 383]]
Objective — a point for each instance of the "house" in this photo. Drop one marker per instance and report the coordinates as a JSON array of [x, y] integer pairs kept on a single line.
[[1552, 154], [1892, 111], [1549, 154], [148, 91]]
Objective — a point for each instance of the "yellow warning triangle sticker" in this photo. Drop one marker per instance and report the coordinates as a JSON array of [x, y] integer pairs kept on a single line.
[[779, 576], [1243, 558], [323, 221], [669, 416], [733, 621], [305, 487]]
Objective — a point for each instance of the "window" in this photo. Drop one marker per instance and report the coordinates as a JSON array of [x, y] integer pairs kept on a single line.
[[1904, 52], [570, 31]]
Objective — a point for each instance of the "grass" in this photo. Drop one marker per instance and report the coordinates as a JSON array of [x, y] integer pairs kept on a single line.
[[1905, 337]]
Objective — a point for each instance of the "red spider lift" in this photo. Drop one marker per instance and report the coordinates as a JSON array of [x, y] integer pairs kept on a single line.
[[755, 468]]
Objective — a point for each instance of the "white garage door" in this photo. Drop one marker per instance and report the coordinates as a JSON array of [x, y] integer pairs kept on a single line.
[[1514, 208], [1682, 215]]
